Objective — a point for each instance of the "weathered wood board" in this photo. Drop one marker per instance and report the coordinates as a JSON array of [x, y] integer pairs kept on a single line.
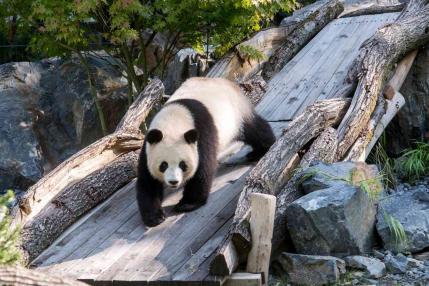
[[110, 245], [320, 68]]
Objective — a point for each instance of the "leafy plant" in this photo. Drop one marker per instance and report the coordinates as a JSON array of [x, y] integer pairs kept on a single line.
[[395, 228], [414, 163], [9, 253], [386, 164], [252, 53]]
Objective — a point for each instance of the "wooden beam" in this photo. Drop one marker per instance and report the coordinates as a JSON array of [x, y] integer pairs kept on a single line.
[[18, 275], [262, 209], [244, 279]]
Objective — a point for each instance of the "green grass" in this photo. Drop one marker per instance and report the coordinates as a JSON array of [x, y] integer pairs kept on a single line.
[[251, 53], [9, 253], [414, 163], [396, 229], [386, 164]]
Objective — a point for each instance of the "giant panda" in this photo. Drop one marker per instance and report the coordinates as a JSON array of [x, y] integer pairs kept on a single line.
[[185, 139]]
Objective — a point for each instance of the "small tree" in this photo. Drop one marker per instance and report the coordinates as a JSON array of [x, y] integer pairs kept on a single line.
[[125, 29], [9, 253]]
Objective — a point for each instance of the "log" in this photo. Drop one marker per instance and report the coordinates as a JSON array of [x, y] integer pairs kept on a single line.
[[323, 149], [262, 208], [370, 9], [301, 35], [238, 66], [384, 112], [244, 279], [18, 275], [271, 173], [376, 60], [74, 201], [126, 138]]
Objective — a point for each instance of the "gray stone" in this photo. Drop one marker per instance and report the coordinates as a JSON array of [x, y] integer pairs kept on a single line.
[[396, 264], [310, 269], [373, 267], [411, 210], [322, 175], [48, 114], [415, 263], [336, 221]]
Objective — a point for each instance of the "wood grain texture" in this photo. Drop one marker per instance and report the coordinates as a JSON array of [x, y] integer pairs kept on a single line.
[[376, 60], [18, 275]]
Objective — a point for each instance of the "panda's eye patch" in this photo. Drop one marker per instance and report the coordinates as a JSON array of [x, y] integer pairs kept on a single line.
[[163, 167], [183, 166]]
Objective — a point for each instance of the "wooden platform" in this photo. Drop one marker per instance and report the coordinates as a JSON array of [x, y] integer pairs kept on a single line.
[[110, 245]]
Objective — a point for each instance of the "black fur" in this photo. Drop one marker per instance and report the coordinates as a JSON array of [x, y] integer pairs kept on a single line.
[[154, 136], [150, 193], [196, 190], [257, 133]]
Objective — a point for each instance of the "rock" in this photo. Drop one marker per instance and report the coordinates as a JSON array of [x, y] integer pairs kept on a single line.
[[310, 269], [396, 264], [378, 254], [373, 267], [411, 123], [322, 175], [415, 263], [336, 221], [411, 210], [50, 114]]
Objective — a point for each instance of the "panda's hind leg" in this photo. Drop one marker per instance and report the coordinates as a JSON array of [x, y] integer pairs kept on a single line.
[[257, 133]]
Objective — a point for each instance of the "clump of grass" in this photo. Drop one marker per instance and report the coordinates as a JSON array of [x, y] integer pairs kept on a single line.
[[9, 253], [386, 164], [414, 163], [396, 229]]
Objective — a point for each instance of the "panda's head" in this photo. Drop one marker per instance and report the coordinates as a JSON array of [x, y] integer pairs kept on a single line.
[[172, 160]]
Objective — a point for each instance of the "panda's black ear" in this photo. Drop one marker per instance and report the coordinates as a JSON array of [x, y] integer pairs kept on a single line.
[[191, 136], [154, 136]]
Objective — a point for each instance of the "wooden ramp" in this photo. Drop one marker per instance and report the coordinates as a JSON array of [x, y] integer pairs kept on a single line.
[[110, 246]]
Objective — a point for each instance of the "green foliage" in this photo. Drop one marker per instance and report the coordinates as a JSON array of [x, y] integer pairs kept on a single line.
[[414, 163], [386, 164], [396, 229], [252, 53], [9, 253]]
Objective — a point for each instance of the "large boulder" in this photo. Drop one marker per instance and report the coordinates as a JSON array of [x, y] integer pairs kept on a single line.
[[411, 210], [310, 269], [337, 216], [412, 121], [49, 114]]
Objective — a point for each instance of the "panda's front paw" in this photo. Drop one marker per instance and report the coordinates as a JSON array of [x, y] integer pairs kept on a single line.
[[153, 218], [182, 207]]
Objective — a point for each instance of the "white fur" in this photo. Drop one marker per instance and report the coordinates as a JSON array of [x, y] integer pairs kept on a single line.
[[227, 106], [225, 102]]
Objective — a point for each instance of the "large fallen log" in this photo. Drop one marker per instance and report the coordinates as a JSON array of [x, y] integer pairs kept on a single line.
[[270, 175], [374, 65], [370, 9], [85, 179], [239, 66], [301, 35], [18, 275]]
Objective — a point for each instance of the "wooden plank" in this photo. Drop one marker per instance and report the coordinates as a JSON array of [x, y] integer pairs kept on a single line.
[[244, 279], [340, 59], [262, 209], [290, 79], [132, 265], [84, 229], [302, 61]]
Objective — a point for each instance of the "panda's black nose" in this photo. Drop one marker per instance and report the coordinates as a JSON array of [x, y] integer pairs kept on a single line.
[[173, 183]]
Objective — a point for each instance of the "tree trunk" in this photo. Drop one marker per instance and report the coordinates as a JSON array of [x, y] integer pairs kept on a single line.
[[301, 35], [375, 63], [271, 173], [370, 9], [17, 275], [74, 201]]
